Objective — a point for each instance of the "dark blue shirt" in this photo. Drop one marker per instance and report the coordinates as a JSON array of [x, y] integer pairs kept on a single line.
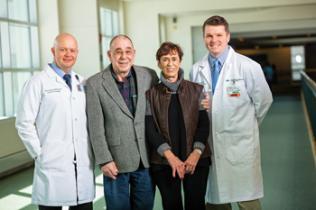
[[127, 88]]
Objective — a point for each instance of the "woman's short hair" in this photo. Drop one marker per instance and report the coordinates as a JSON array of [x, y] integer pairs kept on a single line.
[[167, 47]]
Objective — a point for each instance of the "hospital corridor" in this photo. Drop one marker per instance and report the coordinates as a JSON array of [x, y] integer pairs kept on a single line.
[[54, 55]]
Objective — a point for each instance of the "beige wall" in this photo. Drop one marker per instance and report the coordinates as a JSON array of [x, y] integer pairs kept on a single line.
[[13, 154], [110, 4], [10, 142]]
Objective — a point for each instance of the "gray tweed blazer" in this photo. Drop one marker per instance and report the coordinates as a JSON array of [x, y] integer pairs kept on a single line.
[[115, 134]]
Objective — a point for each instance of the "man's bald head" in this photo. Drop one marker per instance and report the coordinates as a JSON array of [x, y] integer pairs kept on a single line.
[[65, 51], [62, 36]]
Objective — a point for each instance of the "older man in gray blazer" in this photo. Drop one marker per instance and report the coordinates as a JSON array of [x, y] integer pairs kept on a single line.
[[116, 112]]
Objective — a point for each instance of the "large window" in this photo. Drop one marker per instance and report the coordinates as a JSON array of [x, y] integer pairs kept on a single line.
[[109, 27], [19, 50]]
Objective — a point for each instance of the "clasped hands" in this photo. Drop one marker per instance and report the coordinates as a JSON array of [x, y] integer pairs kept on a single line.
[[179, 167]]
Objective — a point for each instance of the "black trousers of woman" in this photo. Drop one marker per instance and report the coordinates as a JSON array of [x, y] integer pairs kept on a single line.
[[84, 206], [194, 188]]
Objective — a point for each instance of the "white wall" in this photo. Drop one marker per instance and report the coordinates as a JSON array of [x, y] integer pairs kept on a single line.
[[80, 18], [142, 25], [13, 154]]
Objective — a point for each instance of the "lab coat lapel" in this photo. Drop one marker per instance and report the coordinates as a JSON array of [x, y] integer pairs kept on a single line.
[[52, 74], [204, 72]]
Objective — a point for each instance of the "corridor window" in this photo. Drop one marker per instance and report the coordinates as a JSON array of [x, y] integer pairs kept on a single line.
[[19, 50], [109, 28], [3, 6], [297, 61]]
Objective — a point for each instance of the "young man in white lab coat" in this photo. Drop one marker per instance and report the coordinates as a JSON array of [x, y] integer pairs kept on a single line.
[[51, 122], [239, 100]]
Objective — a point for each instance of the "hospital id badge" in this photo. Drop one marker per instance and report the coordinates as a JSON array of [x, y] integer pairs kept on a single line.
[[233, 91]]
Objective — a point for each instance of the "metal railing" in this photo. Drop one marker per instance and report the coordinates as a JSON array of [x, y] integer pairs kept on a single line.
[[309, 91]]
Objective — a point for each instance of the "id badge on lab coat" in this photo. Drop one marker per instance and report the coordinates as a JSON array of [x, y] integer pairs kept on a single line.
[[81, 87], [233, 91]]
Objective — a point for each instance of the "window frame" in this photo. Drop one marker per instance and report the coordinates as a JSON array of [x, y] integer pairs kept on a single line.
[[34, 64], [107, 36]]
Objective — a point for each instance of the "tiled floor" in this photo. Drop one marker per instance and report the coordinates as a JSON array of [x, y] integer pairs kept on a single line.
[[15, 192], [287, 162]]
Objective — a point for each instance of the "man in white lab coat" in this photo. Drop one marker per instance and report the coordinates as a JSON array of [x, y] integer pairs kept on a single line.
[[239, 100], [51, 122]]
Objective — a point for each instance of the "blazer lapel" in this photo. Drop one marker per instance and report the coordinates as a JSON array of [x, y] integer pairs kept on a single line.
[[111, 87], [141, 102]]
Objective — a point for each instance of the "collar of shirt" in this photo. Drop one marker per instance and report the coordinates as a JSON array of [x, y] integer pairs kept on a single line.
[[222, 57], [115, 76], [58, 71]]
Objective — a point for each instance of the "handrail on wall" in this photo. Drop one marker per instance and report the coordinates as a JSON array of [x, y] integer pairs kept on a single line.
[[309, 96], [308, 80]]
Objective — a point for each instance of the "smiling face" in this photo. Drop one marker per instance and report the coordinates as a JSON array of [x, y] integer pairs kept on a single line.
[[170, 65], [121, 55], [65, 52], [216, 39]]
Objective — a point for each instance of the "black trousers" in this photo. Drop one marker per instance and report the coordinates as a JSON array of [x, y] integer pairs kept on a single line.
[[194, 188], [84, 206]]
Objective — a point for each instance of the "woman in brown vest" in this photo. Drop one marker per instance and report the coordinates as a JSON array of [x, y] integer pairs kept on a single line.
[[177, 128]]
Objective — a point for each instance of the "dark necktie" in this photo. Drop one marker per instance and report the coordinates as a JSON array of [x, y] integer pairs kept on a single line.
[[67, 78], [215, 73]]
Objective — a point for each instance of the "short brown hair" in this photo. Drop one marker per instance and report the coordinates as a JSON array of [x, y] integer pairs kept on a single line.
[[167, 47], [216, 20]]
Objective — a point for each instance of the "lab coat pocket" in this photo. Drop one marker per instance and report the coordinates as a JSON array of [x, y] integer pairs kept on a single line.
[[52, 154], [239, 149]]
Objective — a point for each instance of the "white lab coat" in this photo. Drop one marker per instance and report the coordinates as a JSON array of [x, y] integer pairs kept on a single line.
[[51, 122], [240, 101]]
